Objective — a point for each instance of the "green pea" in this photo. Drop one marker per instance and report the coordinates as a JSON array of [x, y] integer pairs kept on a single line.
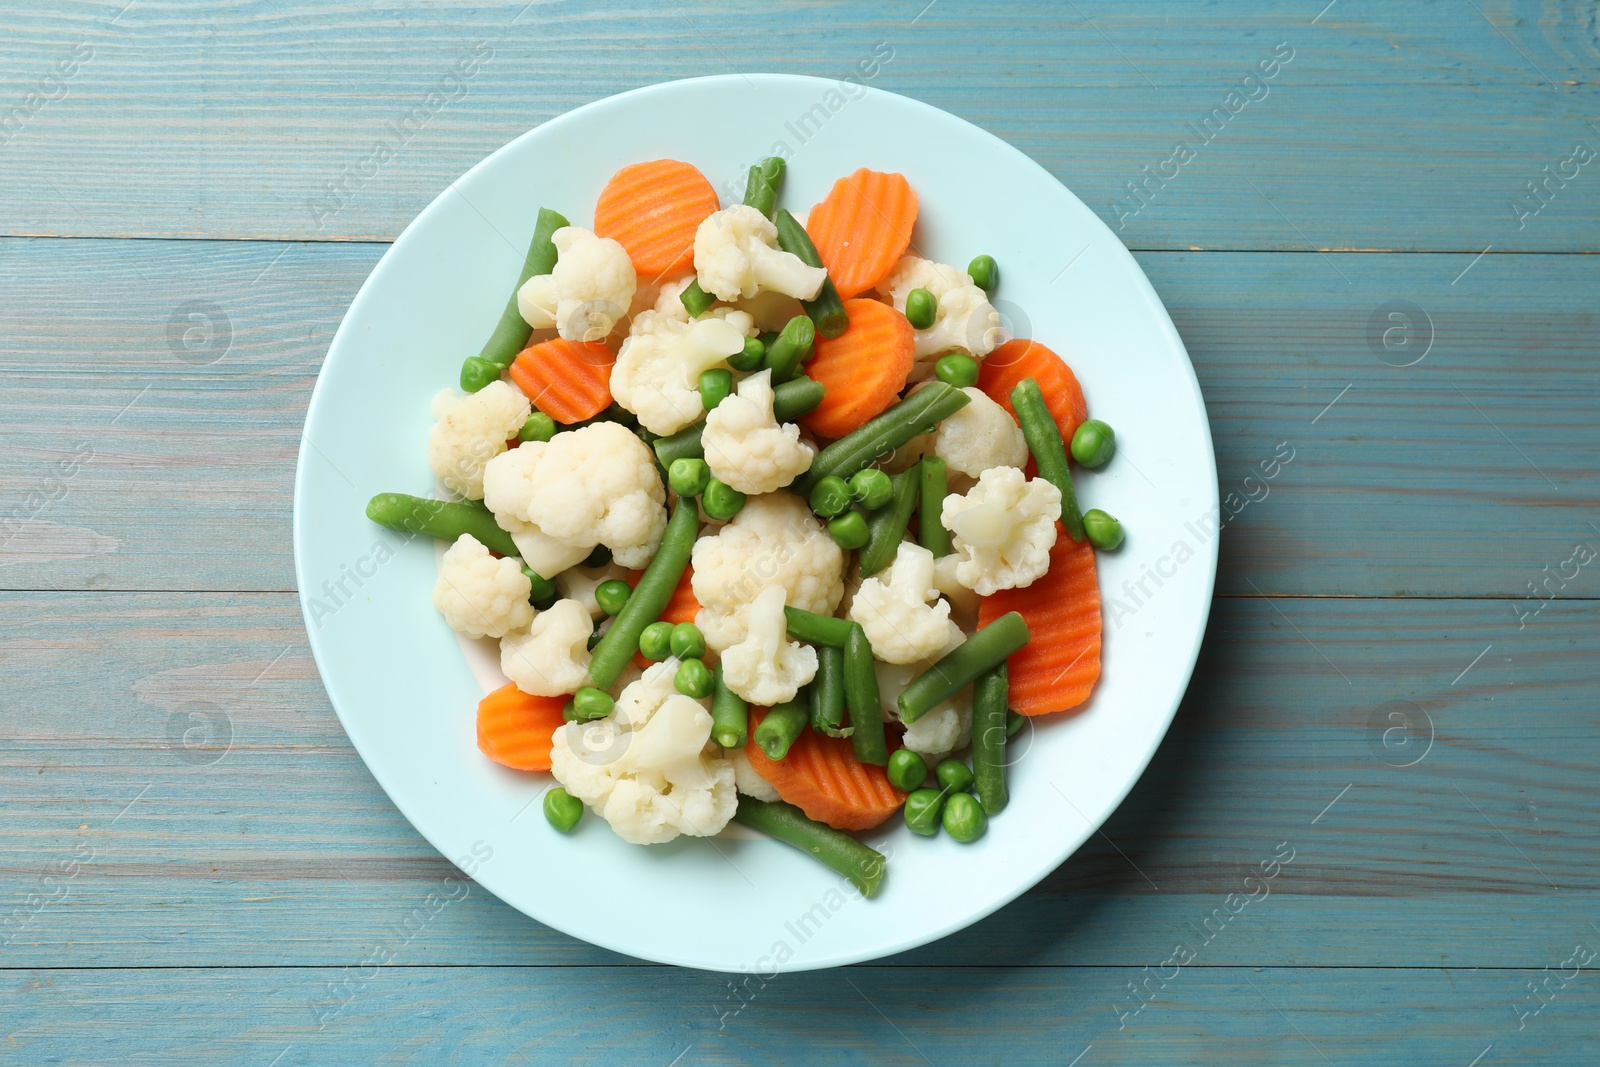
[[754, 352], [562, 809], [715, 386], [655, 641], [872, 488], [1093, 443], [541, 590], [693, 679], [849, 529], [984, 272], [611, 594], [598, 558], [1013, 722], [959, 369], [922, 811], [830, 496], [689, 476], [922, 307], [1104, 531], [687, 642], [591, 703], [907, 770], [721, 500], [539, 427], [964, 818], [477, 372], [953, 775], [568, 712]]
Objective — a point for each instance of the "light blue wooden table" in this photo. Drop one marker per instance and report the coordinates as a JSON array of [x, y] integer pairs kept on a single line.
[[1382, 255]]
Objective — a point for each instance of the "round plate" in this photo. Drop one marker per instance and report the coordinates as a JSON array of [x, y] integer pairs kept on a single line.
[[407, 695]]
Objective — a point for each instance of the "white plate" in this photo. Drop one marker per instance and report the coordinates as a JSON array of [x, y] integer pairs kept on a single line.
[[406, 694]]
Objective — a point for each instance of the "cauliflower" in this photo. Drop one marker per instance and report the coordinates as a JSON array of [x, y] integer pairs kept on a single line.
[[736, 255], [766, 667], [774, 540], [669, 299], [946, 726], [1004, 528], [551, 657], [748, 780], [979, 436], [657, 373], [481, 596], [579, 583], [472, 430], [644, 768], [894, 610], [589, 290], [770, 310], [965, 319], [963, 601], [747, 447], [594, 485], [543, 553]]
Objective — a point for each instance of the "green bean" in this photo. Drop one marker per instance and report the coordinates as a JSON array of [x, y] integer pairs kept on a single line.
[[834, 848], [730, 715], [989, 695], [790, 400], [760, 193], [591, 703], [754, 352], [826, 309], [792, 348], [861, 696], [907, 770], [816, 629], [693, 679], [958, 369], [916, 414], [612, 594], [930, 507], [539, 427], [649, 597], [922, 811], [849, 530], [562, 809], [721, 500], [689, 476], [444, 519], [1049, 451], [695, 300], [827, 693], [1105, 532], [1014, 722], [963, 818], [953, 776], [922, 307], [830, 497], [655, 641], [511, 333], [871, 488], [1093, 443], [773, 169], [887, 526], [983, 651], [984, 272], [780, 728], [687, 642], [716, 385], [541, 590]]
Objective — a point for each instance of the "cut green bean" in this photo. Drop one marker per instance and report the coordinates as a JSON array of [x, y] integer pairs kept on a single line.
[[989, 695], [827, 693], [887, 526], [696, 300], [792, 348], [983, 651], [934, 484], [760, 193], [826, 310], [861, 697], [511, 333], [816, 629], [1014, 722], [916, 414], [790, 400], [649, 597], [773, 169], [730, 715], [834, 848], [780, 728], [1049, 450], [444, 519], [541, 590]]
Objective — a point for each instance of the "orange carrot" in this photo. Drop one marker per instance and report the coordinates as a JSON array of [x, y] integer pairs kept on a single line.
[[862, 228], [822, 777], [862, 370], [683, 606], [1058, 667], [652, 210], [568, 380], [1015, 360], [514, 728]]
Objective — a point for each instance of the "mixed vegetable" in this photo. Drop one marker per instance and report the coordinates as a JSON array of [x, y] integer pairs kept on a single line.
[[771, 522]]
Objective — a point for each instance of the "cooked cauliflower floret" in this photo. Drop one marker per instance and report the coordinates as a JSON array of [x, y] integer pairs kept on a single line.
[[900, 611], [766, 667], [551, 657], [979, 436], [589, 290], [770, 310], [481, 596], [669, 301], [774, 540], [747, 447], [470, 431], [748, 780], [579, 583], [544, 554], [657, 373], [736, 255], [965, 320], [594, 485], [943, 728], [963, 601], [645, 768], [1003, 529]]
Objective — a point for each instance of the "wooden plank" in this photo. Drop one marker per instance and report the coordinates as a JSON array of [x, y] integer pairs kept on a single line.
[[273, 846], [1404, 485], [153, 122]]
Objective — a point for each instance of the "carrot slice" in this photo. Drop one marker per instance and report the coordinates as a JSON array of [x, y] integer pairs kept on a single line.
[[568, 380], [683, 606], [1057, 668], [1015, 360], [862, 228], [862, 370], [515, 728], [652, 210], [822, 777]]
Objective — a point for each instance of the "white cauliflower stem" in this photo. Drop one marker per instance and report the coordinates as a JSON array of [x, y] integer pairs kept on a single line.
[[1004, 528], [470, 431], [551, 657], [766, 667], [481, 596], [979, 436], [589, 290], [965, 320], [745, 445], [644, 768], [736, 255], [900, 612], [541, 552], [657, 373]]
